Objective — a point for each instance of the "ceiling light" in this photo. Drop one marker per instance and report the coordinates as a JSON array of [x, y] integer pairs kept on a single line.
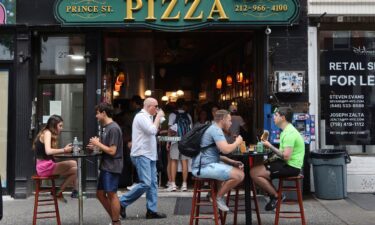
[[79, 69], [76, 57], [180, 93], [148, 93]]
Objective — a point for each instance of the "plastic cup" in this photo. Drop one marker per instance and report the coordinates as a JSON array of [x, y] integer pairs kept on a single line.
[[243, 147], [260, 147]]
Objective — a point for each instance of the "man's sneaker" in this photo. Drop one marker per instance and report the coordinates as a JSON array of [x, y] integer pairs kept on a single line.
[[155, 215], [131, 187], [183, 188], [74, 194], [122, 211], [271, 205], [208, 197], [221, 204], [172, 188]]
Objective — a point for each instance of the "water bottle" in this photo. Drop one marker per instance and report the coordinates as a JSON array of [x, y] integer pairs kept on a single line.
[[75, 146]]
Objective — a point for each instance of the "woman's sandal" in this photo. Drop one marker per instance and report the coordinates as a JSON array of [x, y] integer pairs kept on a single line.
[[60, 196]]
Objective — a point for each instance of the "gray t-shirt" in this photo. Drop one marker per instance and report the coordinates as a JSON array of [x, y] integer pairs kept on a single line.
[[212, 154], [112, 135]]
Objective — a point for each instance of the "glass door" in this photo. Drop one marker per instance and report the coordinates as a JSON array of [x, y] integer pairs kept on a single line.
[[66, 100]]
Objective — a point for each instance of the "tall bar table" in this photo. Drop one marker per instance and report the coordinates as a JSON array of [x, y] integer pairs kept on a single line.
[[244, 158], [79, 156]]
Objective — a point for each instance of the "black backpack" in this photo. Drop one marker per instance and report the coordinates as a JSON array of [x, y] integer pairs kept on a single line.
[[183, 123], [190, 143]]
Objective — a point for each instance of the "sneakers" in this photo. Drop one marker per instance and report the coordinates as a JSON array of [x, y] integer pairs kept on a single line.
[[122, 212], [221, 204], [155, 215], [184, 187], [208, 197], [131, 187], [172, 188], [271, 205], [74, 194]]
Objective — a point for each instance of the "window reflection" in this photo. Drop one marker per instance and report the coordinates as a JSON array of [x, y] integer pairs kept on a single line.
[[62, 55], [6, 46]]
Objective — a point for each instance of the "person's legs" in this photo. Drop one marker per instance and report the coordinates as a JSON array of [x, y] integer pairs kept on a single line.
[[102, 197], [169, 169], [114, 205], [261, 176], [152, 192], [174, 164], [185, 171], [175, 156], [236, 177], [67, 169], [143, 166], [107, 193]]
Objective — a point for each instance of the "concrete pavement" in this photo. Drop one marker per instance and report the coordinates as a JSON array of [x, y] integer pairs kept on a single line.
[[322, 212]]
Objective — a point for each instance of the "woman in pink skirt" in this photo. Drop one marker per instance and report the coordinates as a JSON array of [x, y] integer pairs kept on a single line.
[[45, 145]]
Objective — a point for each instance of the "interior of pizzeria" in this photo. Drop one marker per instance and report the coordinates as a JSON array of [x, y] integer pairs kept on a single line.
[[206, 69]]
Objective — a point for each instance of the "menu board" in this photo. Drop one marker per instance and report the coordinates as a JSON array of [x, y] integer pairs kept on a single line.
[[347, 96]]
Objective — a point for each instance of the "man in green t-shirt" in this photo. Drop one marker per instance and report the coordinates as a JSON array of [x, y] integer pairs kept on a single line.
[[289, 158]]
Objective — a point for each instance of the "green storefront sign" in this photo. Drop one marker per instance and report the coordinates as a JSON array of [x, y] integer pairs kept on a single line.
[[176, 14]]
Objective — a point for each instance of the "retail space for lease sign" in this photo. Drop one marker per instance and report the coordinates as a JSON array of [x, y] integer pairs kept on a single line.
[[348, 95], [176, 14]]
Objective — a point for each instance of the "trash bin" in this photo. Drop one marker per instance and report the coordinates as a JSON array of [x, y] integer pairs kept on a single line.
[[329, 169]]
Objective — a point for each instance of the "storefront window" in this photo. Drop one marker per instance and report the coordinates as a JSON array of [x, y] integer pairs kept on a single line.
[[62, 55], [347, 86], [6, 47]]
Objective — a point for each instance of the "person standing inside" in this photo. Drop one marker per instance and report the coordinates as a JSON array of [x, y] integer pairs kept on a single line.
[[182, 122], [144, 155], [289, 157], [111, 145], [45, 146]]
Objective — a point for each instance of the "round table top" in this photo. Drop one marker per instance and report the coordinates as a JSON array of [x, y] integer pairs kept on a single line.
[[80, 154]]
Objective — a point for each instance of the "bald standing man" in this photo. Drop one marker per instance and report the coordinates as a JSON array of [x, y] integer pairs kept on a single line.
[[144, 155]]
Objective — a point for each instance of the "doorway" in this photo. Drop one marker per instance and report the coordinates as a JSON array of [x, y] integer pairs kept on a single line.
[[66, 100]]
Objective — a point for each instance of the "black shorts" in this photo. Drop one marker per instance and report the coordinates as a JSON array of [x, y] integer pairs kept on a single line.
[[279, 168]]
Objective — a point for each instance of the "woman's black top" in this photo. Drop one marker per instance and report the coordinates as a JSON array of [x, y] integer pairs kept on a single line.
[[41, 151]]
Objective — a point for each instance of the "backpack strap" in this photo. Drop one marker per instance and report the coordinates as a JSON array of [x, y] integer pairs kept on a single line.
[[200, 159]]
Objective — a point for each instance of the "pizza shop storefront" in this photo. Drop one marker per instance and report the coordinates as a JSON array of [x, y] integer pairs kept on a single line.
[[84, 52]]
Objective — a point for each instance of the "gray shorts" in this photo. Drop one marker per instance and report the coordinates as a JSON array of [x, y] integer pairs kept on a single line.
[[175, 153]]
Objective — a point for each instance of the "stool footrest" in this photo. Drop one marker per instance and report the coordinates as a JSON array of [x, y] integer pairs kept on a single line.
[[204, 217], [44, 212], [289, 212], [290, 217], [46, 217], [289, 189], [203, 203], [45, 200], [289, 202], [45, 204]]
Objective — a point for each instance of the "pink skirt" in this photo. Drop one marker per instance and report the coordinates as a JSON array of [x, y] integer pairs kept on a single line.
[[44, 168]]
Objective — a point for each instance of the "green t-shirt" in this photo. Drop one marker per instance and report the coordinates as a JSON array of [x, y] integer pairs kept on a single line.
[[290, 137]]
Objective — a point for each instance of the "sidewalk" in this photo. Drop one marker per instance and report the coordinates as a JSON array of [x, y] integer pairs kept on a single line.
[[322, 212]]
